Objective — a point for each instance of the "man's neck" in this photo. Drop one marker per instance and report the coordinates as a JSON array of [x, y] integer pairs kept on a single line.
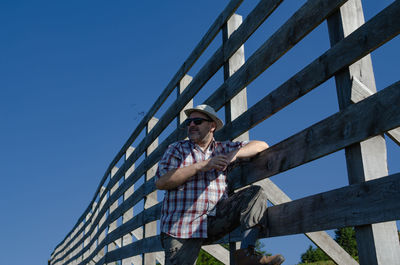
[[205, 144]]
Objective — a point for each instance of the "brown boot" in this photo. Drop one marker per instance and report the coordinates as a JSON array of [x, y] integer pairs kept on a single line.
[[249, 257]]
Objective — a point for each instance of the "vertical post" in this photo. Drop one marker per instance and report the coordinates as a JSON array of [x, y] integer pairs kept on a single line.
[[128, 215], [127, 239], [182, 85], [150, 229], [377, 243], [238, 104], [113, 225]]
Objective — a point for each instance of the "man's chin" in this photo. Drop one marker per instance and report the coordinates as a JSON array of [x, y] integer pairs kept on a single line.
[[193, 138]]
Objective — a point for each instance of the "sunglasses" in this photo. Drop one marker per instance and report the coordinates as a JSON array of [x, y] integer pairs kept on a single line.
[[197, 121]]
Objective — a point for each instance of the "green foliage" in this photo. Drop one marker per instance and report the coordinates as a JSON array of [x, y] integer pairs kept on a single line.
[[345, 237], [313, 255], [206, 259], [324, 262], [259, 248]]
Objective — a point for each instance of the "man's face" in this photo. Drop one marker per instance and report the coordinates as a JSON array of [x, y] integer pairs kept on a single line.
[[202, 132]]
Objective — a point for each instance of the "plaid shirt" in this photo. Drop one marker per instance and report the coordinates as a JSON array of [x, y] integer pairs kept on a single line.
[[185, 208]]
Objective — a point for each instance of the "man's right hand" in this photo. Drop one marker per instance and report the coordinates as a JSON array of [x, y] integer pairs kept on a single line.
[[219, 162], [177, 177]]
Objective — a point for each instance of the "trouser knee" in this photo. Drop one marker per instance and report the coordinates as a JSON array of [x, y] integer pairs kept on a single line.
[[256, 208]]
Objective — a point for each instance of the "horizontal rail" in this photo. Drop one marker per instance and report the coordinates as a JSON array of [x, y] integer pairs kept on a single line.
[[370, 202]]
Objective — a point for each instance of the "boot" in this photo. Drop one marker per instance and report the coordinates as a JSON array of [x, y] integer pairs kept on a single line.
[[248, 256]]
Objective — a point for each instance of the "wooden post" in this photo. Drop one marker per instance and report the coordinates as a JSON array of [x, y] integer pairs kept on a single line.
[[113, 206], [150, 229], [238, 104], [182, 85], [377, 243], [128, 215]]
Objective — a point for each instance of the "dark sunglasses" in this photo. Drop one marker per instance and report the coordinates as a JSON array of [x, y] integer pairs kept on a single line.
[[197, 121]]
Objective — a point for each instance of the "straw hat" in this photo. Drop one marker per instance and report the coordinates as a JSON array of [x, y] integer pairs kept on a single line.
[[209, 111]]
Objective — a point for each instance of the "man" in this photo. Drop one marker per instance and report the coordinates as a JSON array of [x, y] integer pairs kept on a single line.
[[196, 209]]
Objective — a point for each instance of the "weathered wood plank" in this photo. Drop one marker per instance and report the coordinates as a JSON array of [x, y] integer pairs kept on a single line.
[[380, 29], [127, 215], [150, 229], [149, 244], [256, 17], [321, 239], [394, 135], [132, 260], [376, 243], [182, 86], [368, 118], [369, 202], [238, 104], [218, 252], [359, 92]]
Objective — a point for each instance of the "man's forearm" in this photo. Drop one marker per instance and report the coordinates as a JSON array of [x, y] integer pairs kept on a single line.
[[251, 149], [176, 177]]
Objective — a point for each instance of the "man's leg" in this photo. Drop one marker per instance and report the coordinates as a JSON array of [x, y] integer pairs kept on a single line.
[[245, 208], [180, 251], [250, 237]]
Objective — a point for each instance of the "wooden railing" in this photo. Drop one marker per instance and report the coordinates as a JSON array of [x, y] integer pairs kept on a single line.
[[109, 232]]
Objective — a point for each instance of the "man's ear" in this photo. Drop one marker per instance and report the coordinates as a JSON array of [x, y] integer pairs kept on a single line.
[[213, 126]]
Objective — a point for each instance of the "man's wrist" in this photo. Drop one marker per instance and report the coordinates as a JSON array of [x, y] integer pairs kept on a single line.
[[198, 166]]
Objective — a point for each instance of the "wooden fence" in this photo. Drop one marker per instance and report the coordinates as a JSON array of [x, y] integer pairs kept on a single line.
[[108, 232]]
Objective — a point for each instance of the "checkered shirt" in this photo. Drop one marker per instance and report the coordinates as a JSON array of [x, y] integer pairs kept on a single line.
[[185, 208]]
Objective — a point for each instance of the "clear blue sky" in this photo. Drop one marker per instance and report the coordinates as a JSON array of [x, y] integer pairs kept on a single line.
[[76, 77]]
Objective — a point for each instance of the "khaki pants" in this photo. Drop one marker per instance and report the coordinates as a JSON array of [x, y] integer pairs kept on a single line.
[[245, 208]]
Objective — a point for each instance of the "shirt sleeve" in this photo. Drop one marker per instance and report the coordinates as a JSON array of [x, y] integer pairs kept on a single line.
[[170, 160], [232, 146]]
